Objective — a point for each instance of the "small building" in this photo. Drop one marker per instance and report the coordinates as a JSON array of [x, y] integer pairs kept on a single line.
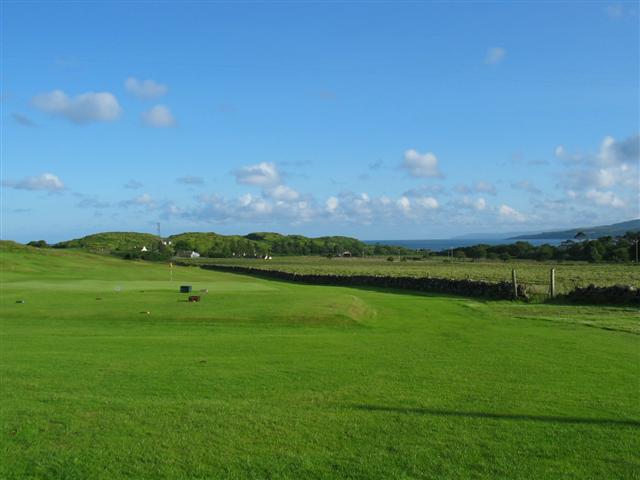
[[194, 254], [346, 254], [144, 249]]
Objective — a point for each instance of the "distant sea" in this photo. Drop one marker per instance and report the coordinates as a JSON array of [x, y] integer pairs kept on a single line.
[[439, 244]]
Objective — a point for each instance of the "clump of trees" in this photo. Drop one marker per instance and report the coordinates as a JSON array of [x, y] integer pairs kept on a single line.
[[608, 249], [38, 244]]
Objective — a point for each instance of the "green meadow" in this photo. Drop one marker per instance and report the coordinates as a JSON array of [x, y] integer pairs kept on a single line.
[[534, 274], [108, 372]]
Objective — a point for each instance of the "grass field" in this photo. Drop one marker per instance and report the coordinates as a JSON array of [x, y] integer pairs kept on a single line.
[[265, 379], [535, 274]]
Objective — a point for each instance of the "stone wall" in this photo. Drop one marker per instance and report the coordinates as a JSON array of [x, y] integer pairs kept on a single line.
[[469, 288], [613, 295]]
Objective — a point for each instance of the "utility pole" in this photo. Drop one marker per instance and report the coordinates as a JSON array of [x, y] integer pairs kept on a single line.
[[159, 236]]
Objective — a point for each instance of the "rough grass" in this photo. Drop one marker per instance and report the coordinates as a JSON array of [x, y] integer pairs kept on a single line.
[[569, 275], [264, 379]]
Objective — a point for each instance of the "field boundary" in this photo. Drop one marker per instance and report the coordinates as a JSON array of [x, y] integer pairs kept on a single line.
[[594, 295], [467, 288]]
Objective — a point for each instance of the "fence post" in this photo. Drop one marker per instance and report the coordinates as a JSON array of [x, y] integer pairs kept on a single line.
[[515, 284], [552, 286]]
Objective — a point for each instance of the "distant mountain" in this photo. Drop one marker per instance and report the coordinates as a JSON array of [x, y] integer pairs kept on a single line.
[[613, 230], [492, 236]]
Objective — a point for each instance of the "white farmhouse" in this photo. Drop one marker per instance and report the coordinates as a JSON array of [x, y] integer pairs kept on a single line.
[[194, 254]]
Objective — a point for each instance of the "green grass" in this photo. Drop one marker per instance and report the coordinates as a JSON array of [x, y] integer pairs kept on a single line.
[[535, 274], [266, 379]]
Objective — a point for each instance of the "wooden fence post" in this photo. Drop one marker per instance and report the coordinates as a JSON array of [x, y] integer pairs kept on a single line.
[[515, 284], [552, 286]]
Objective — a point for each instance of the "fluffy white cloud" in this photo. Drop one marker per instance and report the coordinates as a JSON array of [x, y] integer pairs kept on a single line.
[[495, 55], [145, 200], [510, 214], [283, 193], [47, 182], [404, 205], [158, 116], [428, 203], [608, 199], [478, 204], [145, 89], [263, 174], [420, 165], [81, 109], [332, 204], [606, 178]]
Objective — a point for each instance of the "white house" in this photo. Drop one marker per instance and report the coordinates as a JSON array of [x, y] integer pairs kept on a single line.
[[144, 249], [195, 254]]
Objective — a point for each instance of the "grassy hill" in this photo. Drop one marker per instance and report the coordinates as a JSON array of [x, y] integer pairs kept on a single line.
[[112, 241], [213, 244], [263, 379]]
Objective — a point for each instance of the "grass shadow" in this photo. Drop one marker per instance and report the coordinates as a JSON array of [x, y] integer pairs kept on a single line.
[[497, 416]]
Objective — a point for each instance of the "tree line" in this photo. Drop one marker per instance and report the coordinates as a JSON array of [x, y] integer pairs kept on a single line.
[[607, 249]]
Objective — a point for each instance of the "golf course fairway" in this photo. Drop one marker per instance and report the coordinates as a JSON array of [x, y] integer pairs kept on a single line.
[[108, 372]]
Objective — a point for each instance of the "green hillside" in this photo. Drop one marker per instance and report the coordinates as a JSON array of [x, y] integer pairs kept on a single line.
[[214, 245], [112, 241]]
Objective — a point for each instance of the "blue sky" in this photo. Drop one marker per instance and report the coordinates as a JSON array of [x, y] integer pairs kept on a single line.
[[379, 120]]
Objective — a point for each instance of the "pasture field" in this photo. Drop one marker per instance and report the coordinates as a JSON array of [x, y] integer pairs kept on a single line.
[[535, 274], [265, 379]]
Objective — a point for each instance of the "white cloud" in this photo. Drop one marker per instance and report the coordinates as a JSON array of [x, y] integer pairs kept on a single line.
[[608, 199], [495, 55], [613, 167], [404, 205], [145, 89], [559, 151], [428, 203], [283, 193], [144, 200], [81, 109], [47, 182], [332, 204], [478, 204], [263, 174], [158, 116], [420, 165], [511, 214]]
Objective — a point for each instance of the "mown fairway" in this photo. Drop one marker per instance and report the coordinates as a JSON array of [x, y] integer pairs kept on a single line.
[[265, 379]]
